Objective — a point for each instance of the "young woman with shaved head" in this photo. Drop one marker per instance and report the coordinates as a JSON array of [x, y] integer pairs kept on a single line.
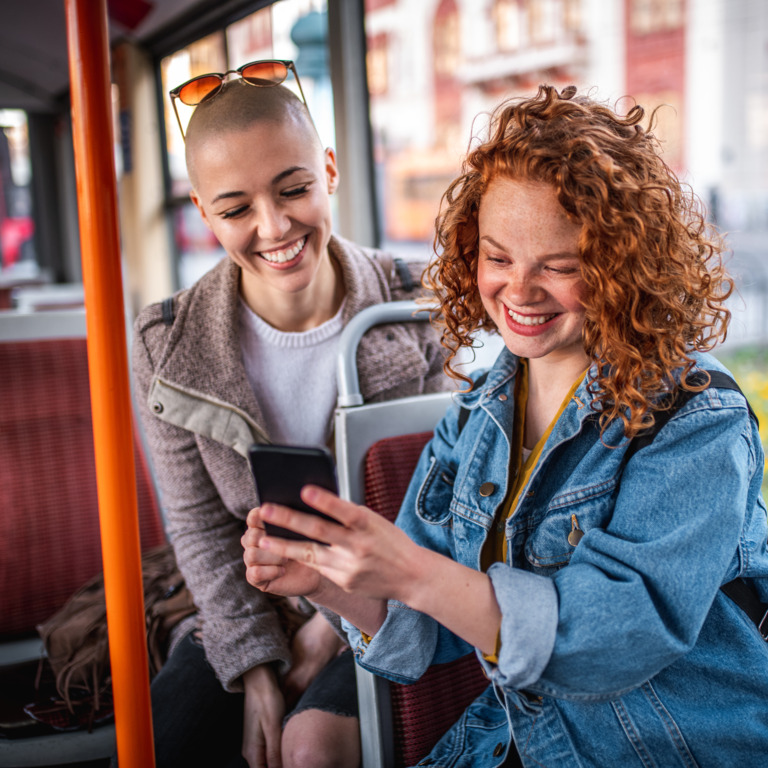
[[247, 355]]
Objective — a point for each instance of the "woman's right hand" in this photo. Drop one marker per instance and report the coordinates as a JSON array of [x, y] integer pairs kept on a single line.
[[272, 573]]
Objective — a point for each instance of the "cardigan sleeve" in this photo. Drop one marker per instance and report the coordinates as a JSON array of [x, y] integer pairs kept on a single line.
[[241, 627]]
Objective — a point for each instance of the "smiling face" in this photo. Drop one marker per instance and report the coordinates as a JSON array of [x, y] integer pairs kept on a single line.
[[528, 272], [265, 193]]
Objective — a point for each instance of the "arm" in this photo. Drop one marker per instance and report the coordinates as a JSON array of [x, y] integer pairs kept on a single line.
[[395, 625], [647, 576], [240, 626], [370, 561]]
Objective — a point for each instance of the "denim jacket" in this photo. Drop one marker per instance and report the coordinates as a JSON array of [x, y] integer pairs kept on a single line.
[[621, 650]]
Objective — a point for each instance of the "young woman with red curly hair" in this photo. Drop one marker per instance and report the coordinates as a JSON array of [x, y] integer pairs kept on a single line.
[[576, 514]]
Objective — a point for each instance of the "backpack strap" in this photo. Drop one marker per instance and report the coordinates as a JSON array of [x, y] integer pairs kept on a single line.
[[745, 596], [717, 379], [167, 309], [741, 592], [405, 275], [391, 264]]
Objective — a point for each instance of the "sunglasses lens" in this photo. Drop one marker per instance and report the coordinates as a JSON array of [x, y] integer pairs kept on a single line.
[[265, 73], [194, 92]]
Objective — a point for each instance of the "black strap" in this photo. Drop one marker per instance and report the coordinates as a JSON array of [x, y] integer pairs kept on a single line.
[[405, 275], [717, 379], [746, 597], [743, 594], [168, 311]]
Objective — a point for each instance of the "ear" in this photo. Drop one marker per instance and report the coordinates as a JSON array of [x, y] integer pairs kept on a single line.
[[193, 196], [331, 171]]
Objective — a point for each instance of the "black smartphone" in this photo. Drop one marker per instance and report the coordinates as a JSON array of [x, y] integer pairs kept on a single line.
[[281, 471]]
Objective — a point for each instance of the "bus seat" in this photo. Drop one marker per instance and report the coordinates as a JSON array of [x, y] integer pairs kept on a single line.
[[424, 711], [377, 447], [49, 524]]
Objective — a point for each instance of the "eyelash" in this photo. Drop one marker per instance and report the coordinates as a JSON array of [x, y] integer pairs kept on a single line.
[[233, 213], [296, 191], [289, 193], [556, 270]]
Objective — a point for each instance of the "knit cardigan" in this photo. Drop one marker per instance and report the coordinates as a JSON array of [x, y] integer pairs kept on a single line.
[[200, 415]]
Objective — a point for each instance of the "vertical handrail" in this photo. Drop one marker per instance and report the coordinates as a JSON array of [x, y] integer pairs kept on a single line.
[[108, 371]]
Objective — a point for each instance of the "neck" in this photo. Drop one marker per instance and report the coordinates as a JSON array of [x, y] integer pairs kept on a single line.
[[302, 310], [548, 383]]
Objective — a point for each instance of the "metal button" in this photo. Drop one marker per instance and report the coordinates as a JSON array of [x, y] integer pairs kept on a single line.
[[157, 407], [498, 750], [502, 398], [486, 489]]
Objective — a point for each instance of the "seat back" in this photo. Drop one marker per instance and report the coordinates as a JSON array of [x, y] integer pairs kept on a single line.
[[422, 712], [49, 522], [377, 448]]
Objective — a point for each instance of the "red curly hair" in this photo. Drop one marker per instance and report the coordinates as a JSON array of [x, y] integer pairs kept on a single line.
[[655, 284]]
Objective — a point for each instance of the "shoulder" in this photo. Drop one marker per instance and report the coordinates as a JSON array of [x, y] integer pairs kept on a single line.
[[158, 322], [392, 277]]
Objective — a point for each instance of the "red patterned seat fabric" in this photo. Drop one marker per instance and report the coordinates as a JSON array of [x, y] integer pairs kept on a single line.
[[49, 523], [424, 711]]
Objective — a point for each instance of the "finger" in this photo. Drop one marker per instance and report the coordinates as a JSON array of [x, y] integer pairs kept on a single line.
[[251, 537], [345, 512], [272, 734], [260, 556], [262, 576], [254, 518], [311, 526]]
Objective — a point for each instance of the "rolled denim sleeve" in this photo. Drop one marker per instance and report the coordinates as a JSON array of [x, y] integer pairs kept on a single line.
[[402, 649], [529, 621]]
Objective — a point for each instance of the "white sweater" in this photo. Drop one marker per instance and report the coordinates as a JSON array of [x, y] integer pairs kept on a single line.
[[297, 407]]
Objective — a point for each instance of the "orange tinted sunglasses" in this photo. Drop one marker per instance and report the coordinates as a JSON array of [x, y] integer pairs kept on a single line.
[[263, 74]]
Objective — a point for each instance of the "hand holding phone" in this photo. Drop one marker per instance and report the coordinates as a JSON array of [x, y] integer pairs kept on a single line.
[[281, 471]]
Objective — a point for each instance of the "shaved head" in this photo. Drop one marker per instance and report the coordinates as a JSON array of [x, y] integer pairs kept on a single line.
[[237, 107]]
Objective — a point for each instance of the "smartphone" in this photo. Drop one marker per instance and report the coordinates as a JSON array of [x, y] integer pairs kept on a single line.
[[281, 471]]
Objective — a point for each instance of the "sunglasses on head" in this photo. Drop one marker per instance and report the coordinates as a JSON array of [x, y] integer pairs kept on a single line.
[[262, 74]]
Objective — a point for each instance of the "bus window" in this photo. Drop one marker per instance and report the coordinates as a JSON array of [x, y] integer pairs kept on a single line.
[[17, 247], [290, 29]]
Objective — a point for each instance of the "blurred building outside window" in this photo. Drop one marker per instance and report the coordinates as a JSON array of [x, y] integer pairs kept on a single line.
[[438, 67], [17, 245]]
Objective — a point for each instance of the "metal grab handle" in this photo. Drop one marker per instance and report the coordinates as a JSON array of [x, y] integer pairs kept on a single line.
[[347, 378]]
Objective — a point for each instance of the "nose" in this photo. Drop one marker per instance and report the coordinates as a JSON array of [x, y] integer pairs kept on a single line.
[[523, 288], [272, 223]]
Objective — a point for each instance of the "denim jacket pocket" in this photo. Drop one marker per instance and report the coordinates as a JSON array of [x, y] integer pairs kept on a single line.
[[569, 517], [433, 503]]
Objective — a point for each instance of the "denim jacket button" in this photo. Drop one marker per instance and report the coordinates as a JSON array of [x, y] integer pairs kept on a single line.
[[499, 749], [487, 489]]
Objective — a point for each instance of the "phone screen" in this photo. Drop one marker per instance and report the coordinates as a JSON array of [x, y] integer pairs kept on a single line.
[[281, 471]]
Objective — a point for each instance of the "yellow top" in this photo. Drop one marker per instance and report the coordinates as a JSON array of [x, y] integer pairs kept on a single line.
[[520, 470]]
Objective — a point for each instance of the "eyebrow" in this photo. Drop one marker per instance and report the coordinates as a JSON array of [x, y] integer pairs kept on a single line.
[[280, 177], [555, 255]]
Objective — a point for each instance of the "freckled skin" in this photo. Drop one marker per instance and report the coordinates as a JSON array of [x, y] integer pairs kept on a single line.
[[528, 263]]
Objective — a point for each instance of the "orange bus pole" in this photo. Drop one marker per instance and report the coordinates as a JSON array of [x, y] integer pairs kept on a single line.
[[108, 370]]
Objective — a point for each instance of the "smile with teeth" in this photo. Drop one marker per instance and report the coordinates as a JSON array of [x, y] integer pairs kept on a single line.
[[282, 255], [530, 319]]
